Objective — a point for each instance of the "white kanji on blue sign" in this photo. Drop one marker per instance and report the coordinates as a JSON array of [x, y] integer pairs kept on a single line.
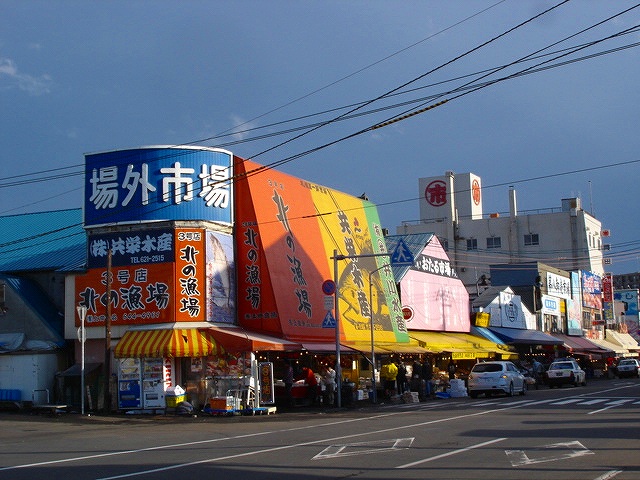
[[402, 255], [329, 321]]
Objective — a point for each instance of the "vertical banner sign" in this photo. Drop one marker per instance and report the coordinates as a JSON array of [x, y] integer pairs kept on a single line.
[[607, 297], [190, 281], [267, 393]]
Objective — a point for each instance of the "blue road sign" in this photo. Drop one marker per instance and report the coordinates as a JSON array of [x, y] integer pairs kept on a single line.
[[401, 255], [329, 321]]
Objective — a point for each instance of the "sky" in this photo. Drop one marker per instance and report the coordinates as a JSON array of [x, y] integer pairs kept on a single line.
[[546, 102]]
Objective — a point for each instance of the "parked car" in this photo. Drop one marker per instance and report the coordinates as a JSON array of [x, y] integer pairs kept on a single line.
[[495, 377], [565, 371], [628, 367]]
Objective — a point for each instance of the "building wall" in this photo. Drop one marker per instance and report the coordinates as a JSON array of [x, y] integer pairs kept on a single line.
[[568, 237]]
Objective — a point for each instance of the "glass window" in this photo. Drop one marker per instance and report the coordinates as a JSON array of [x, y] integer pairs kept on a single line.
[[531, 239], [494, 242], [472, 244]]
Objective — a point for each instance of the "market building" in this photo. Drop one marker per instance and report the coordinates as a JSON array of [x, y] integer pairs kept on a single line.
[[202, 278]]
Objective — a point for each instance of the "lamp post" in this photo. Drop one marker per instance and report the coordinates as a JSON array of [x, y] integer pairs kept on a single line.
[[82, 313], [336, 279], [374, 390]]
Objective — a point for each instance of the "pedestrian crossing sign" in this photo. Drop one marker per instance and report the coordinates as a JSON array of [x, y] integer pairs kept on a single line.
[[329, 321]]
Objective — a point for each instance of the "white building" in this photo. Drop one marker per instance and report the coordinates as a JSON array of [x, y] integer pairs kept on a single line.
[[566, 237]]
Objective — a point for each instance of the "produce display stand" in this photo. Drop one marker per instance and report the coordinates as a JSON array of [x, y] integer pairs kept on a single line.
[[241, 401]]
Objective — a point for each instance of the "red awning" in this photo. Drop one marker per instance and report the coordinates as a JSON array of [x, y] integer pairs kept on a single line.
[[235, 339]]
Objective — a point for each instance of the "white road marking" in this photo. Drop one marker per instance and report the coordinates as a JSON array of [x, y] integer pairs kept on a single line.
[[519, 458], [453, 452], [608, 475], [593, 402], [361, 448]]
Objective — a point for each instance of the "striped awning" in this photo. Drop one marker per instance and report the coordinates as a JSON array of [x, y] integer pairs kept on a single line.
[[183, 342]]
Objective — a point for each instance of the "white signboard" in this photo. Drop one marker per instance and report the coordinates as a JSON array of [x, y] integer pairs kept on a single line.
[[558, 286]]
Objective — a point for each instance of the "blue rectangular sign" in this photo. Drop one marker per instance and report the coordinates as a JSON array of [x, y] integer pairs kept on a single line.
[[158, 183]]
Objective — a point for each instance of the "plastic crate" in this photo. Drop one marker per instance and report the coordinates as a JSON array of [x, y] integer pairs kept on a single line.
[[173, 400], [222, 403]]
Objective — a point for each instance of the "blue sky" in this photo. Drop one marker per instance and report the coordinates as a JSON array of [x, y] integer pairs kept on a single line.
[[79, 77]]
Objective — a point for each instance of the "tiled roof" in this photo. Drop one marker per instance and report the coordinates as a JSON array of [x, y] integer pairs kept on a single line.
[[51, 240], [415, 242]]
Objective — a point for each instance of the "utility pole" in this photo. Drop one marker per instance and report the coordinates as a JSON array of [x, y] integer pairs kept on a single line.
[[107, 340]]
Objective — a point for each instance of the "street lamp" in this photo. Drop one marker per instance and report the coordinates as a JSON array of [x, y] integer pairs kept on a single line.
[[336, 279], [374, 390]]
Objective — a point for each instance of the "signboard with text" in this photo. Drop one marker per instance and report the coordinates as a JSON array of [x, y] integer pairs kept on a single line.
[[158, 183]]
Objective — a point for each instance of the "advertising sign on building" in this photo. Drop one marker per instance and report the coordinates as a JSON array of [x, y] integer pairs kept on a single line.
[[158, 183], [558, 286], [137, 247], [591, 290], [287, 232], [150, 292], [439, 300]]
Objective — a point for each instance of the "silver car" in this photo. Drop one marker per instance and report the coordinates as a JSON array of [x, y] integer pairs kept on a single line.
[[496, 377], [628, 367]]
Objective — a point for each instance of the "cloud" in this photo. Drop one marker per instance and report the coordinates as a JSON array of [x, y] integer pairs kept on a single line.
[[240, 130], [11, 77]]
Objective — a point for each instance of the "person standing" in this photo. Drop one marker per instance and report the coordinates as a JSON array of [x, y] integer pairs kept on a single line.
[[288, 382], [451, 368], [329, 380], [401, 378], [427, 375], [388, 373], [311, 382]]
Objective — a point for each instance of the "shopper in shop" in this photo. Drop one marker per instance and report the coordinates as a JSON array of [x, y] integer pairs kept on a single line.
[[427, 376], [329, 381], [288, 382], [416, 377], [401, 377], [388, 374], [311, 382], [451, 368]]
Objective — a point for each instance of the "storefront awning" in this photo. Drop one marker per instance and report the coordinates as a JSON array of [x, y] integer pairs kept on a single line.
[[522, 336], [623, 339], [327, 348], [615, 350], [179, 342], [445, 342], [235, 339], [410, 347], [581, 345]]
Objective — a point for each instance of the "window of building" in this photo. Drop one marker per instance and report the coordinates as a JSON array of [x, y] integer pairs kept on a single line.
[[445, 243], [531, 239], [472, 243], [494, 242]]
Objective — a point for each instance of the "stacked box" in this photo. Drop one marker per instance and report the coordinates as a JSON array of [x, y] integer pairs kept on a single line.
[[222, 403]]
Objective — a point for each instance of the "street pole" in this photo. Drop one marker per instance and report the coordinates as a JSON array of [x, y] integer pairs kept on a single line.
[[373, 351], [336, 279], [337, 307], [82, 313]]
